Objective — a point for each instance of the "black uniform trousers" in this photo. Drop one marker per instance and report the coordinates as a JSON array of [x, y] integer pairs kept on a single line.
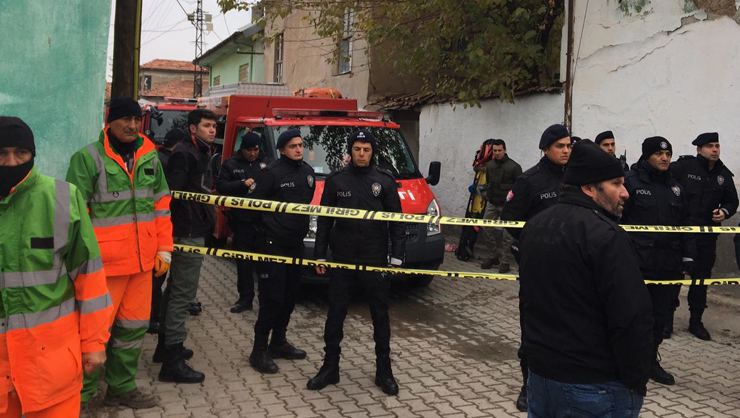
[[278, 287], [663, 298], [247, 238], [376, 288], [157, 283], [706, 255]]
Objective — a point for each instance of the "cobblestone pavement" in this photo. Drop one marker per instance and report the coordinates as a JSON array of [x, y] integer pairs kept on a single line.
[[454, 355]]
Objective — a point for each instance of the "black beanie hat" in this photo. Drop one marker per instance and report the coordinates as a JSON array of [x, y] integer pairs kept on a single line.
[[654, 144], [286, 136], [589, 164], [706, 138], [121, 107], [250, 140], [15, 133], [173, 136], [604, 135], [361, 136], [552, 134]]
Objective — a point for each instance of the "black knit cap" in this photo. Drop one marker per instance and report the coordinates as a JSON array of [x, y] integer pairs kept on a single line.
[[286, 136], [706, 138], [250, 140], [121, 107], [589, 164], [552, 134], [173, 136], [654, 144], [604, 135], [361, 136], [15, 133]]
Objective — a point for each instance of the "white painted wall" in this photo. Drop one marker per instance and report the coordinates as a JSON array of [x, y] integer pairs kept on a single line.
[[667, 72], [451, 135]]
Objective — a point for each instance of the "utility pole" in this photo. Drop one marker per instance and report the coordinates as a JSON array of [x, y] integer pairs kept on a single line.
[[197, 74], [568, 111], [126, 44]]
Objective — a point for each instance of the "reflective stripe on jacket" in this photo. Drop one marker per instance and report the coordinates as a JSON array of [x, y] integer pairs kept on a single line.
[[55, 303], [129, 210]]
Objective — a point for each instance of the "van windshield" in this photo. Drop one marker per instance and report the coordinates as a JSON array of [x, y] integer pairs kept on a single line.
[[165, 120], [327, 151]]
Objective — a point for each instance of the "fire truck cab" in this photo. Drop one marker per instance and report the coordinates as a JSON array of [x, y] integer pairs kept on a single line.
[[325, 125], [162, 117]]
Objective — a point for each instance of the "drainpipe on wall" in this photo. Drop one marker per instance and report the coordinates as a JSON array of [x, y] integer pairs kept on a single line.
[[568, 111]]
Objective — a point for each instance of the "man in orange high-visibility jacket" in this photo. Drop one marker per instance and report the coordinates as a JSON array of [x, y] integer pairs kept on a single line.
[[122, 180], [54, 304]]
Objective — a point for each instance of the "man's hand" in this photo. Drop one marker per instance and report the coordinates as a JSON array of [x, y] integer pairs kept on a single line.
[[718, 215], [91, 361], [320, 270], [162, 263], [249, 182]]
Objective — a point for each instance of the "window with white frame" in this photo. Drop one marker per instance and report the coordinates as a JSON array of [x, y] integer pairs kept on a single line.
[[244, 73], [277, 75]]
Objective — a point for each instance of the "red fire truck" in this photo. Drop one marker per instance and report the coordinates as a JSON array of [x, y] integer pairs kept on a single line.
[[326, 124]]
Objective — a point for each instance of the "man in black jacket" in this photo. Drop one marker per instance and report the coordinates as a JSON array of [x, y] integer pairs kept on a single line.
[[243, 175], [712, 198], [501, 173], [361, 185], [534, 191], [586, 312], [187, 170], [289, 179], [656, 198]]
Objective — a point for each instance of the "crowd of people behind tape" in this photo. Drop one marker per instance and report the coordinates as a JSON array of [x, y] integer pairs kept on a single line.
[[84, 261]]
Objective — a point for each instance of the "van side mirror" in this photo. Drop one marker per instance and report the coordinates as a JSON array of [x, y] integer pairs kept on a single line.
[[435, 168]]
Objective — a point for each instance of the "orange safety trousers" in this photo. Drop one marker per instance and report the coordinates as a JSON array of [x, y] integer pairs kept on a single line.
[[132, 303]]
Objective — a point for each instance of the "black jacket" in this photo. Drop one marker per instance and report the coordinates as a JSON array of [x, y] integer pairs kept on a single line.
[[293, 182], [705, 190], [500, 177], [585, 310], [534, 191], [230, 182], [188, 170], [657, 199], [358, 241]]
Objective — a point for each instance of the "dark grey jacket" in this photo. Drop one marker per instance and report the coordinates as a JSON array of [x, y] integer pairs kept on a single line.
[[500, 177]]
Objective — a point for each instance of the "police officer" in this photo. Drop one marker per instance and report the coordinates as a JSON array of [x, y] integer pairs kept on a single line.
[[606, 141], [361, 185], [712, 198], [243, 176], [534, 191], [289, 179], [656, 198], [586, 314]]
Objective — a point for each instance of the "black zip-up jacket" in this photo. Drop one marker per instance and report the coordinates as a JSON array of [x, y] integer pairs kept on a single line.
[[230, 182], [534, 191], [586, 312], [656, 198], [188, 170], [358, 241], [500, 177], [706, 190], [293, 182]]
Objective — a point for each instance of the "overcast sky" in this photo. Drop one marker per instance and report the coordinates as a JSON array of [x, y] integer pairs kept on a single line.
[[166, 32]]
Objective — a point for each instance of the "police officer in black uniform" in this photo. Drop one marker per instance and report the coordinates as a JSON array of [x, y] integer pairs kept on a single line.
[[243, 176], [534, 191], [656, 198], [712, 198], [361, 185], [607, 142], [289, 179]]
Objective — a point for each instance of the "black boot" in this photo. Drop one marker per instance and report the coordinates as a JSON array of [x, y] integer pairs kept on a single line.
[[384, 376], [659, 375], [160, 352], [174, 369], [328, 375], [261, 361], [696, 327], [195, 308], [286, 350], [521, 400], [241, 305], [490, 263]]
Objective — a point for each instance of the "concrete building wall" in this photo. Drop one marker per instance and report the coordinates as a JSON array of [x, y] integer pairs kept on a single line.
[[52, 73], [305, 60]]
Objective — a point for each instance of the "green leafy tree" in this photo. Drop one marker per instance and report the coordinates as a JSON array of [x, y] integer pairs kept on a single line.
[[463, 50]]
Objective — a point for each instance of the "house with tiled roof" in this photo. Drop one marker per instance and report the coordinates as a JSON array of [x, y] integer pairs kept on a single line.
[[162, 78]]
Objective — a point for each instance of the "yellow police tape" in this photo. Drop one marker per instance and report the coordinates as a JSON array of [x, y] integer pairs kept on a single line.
[[267, 258], [348, 213]]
